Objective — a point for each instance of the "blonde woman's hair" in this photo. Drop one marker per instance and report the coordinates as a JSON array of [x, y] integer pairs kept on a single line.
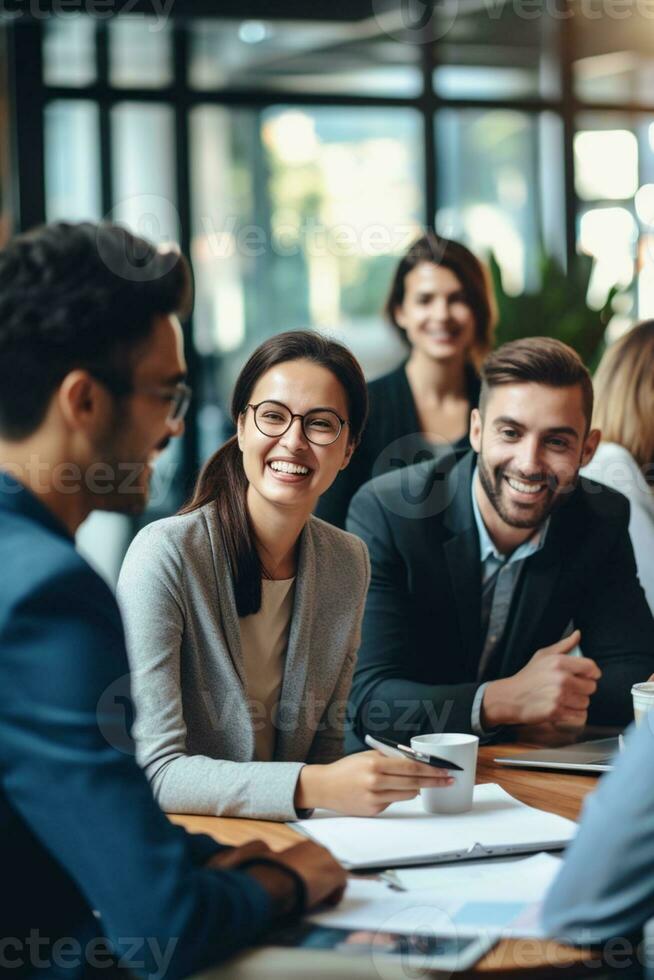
[[624, 393]]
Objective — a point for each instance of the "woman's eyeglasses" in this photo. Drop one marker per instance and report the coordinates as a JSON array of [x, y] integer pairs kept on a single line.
[[321, 426]]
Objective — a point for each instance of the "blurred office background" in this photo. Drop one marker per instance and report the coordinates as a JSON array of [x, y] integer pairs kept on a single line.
[[295, 149]]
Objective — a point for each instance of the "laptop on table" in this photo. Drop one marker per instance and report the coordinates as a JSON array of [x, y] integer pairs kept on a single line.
[[597, 755]]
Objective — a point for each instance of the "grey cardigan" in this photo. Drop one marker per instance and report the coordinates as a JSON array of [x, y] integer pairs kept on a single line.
[[194, 725]]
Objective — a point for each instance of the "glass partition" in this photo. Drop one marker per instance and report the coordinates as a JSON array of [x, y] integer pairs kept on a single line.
[[493, 51], [72, 156], [140, 52], [301, 56], [496, 187], [69, 50]]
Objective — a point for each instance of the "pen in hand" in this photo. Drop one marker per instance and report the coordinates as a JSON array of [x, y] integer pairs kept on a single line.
[[387, 747]]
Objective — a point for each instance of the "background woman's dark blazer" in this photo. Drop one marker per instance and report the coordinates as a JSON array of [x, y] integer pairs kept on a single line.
[[393, 417]]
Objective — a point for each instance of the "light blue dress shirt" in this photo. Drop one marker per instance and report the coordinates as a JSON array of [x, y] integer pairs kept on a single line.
[[500, 575], [605, 887]]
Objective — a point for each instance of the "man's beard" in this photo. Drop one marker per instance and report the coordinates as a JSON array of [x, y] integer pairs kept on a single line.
[[116, 481], [119, 486], [494, 486]]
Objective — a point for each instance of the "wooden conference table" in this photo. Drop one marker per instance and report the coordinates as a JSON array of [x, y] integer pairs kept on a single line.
[[561, 793]]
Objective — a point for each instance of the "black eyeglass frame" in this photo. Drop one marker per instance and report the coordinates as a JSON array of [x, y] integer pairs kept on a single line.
[[296, 415]]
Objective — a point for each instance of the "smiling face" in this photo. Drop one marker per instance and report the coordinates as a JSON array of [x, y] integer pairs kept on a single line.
[[531, 443], [435, 313], [288, 470]]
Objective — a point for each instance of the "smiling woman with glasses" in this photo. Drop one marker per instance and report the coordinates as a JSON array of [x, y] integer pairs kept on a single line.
[[243, 613]]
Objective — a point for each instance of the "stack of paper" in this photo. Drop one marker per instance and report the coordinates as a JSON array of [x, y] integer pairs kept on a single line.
[[505, 902], [404, 834]]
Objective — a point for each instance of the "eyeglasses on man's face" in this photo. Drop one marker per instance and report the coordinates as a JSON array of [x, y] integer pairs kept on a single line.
[[321, 426], [178, 396]]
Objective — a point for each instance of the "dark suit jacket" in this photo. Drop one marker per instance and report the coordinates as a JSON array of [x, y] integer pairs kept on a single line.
[[392, 417], [421, 643], [79, 829]]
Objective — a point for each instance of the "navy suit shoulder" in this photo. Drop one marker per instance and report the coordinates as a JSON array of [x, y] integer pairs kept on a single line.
[[409, 495], [603, 502], [35, 555], [79, 828], [47, 576]]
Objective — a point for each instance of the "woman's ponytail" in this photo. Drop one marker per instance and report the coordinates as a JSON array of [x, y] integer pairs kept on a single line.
[[223, 482]]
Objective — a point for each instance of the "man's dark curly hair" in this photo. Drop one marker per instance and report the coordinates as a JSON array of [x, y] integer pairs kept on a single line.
[[77, 296]]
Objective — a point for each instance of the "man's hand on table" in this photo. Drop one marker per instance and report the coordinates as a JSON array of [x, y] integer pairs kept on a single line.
[[233, 857], [323, 877], [552, 689]]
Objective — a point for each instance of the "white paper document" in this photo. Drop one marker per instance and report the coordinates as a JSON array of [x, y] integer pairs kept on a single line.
[[404, 834], [525, 878], [506, 904]]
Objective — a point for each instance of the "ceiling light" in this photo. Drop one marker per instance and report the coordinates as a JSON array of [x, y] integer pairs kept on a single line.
[[253, 31]]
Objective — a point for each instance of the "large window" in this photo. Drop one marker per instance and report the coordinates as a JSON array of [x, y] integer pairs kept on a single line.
[[295, 160], [296, 224], [614, 175], [497, 193]]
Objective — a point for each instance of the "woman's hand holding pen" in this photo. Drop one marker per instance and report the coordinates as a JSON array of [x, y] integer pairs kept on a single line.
[[364, 784]]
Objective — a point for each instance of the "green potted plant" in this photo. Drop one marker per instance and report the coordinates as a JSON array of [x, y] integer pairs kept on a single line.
[[558, 309]]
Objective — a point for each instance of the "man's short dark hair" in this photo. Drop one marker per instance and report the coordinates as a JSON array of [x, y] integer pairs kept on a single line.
[[542, 360], [77, 296]]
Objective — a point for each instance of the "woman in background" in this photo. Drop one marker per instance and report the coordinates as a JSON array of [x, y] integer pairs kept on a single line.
[[624, 411], [442, 304], [243, 612]]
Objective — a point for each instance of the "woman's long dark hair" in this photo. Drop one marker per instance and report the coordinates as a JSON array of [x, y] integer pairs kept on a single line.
[[223, 478]]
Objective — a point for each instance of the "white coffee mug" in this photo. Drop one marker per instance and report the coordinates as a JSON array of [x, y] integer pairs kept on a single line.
[[461, 749], [643, 697]]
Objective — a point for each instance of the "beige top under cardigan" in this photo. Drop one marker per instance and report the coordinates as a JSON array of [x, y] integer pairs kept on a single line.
[[264, 638], [194, 732]]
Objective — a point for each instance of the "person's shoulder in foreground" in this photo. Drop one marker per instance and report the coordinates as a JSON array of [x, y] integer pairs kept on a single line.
[[605, 888], [91, 391], [68, 773], [36, 549]]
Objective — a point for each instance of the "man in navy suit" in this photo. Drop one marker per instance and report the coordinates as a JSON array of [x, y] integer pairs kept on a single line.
[[486, 578], [91, 391]]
